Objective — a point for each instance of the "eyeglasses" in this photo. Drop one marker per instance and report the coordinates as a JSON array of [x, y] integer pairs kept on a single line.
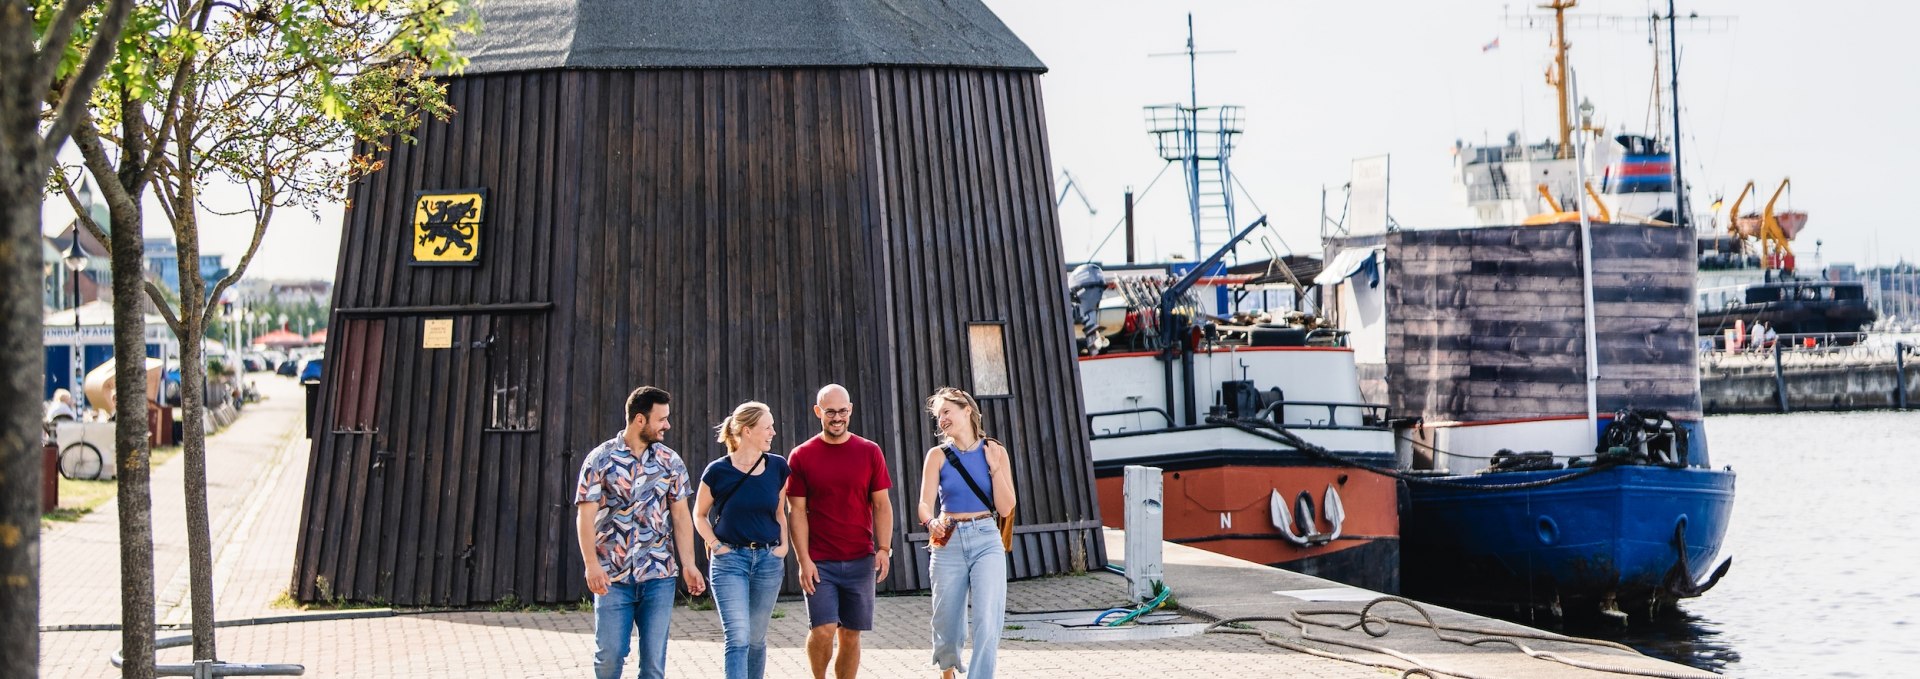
[[838, 412]]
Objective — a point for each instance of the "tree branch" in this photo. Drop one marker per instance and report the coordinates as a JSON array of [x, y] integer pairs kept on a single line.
[[53, 46], [84, 218], [73, 104], [265, 215], [160, 301], [93, 154], [174, 93]]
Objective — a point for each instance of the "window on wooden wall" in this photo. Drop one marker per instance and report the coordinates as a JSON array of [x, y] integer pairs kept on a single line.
[[516, 352], [987, 347], [355, 372]]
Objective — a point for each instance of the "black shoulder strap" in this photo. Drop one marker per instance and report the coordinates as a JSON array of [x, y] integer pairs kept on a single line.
[[719, 500], [953, 460]]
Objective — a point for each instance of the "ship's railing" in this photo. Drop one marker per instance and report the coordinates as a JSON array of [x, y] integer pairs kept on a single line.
[[1372, 416], [1162, 412], [1485, 192], [1801, 350]]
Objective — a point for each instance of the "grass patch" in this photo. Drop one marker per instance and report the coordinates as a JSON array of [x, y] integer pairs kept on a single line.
[[285, 601], [779, 613], [1015, 628], [80, 498], [700, 603]]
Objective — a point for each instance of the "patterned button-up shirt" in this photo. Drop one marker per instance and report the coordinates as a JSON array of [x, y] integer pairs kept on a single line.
[[633, 531]]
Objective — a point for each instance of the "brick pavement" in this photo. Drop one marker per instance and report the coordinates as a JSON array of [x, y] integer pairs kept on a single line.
[[558, 644], [80, 562], [257, 476], [258, 509]]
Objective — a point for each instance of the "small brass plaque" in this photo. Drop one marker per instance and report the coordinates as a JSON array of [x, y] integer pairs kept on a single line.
[[438, 335]]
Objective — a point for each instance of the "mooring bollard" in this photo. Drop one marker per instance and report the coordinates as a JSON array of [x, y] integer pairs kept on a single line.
[[1144, 515], [1900, 374], [1779, 378]]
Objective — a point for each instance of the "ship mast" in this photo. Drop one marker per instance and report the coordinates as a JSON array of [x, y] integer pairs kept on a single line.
[[1557, 77]]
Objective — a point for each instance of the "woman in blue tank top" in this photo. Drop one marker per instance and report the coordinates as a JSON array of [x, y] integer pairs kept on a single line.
[[741, 513], [969, 565]]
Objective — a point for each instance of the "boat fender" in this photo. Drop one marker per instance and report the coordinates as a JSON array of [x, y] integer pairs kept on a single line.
[[1336, 511]]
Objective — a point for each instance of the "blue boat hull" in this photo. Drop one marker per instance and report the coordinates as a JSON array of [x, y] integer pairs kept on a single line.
[[1611, 537]]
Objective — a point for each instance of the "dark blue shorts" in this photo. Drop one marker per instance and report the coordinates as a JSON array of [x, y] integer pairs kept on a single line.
[[844, 595]]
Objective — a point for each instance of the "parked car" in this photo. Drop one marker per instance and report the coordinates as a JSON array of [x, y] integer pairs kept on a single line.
[[310, 369]]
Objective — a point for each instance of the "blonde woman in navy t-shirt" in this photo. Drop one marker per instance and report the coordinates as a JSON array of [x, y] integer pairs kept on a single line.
[[969, 565], [740, 513]]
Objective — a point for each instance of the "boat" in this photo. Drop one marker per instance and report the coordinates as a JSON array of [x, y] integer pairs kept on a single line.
[[1748, 278], [1266, 450], [1203, 404], [1530, 486]]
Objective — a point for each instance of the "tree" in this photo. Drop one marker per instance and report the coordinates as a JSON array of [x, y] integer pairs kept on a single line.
[[36, 48], [269, 95]]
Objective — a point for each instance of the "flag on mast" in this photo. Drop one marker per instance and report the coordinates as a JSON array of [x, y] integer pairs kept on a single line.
[[1489, 47]]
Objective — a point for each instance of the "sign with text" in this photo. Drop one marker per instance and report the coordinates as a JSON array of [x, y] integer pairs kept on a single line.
[[438, 334], [446, 227]]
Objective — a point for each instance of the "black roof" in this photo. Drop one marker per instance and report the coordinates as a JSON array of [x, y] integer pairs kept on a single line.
[[530, 35]]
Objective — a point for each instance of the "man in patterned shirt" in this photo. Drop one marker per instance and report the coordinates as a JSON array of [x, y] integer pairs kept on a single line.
[[632, 501]]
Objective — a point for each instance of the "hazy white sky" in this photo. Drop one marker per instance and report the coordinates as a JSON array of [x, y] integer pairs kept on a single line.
[[1818, 91]]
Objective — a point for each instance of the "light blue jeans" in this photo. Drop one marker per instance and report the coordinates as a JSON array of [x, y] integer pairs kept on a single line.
[[970, 569], [647, 605], [745, 584]]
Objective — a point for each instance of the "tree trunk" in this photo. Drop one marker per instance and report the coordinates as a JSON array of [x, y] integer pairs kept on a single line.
[[21, 365], [132, 455], [193, 376]]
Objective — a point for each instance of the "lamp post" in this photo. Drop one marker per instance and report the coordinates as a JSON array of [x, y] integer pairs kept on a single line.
[[76, 261]]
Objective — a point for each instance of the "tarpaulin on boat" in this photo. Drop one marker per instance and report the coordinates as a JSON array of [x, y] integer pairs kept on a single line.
[[1349, 262]]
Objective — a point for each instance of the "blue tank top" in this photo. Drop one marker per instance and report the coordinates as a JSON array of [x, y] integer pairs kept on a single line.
[[955, 496]]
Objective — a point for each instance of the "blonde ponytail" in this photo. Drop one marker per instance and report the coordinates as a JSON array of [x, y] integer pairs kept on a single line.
[[744, 415]]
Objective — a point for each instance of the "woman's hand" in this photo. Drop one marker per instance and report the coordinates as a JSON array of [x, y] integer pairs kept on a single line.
[[717, 549], [781, 551]]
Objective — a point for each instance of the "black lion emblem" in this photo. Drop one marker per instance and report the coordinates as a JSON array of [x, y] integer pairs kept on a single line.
[[446, 222]]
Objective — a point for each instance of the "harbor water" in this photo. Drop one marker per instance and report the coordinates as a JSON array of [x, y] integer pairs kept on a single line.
[[1826, 547]]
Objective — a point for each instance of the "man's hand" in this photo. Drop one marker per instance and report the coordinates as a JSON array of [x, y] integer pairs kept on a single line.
[[696, 583], [780, 552], [596, 578], [882, 563], [809, 576]]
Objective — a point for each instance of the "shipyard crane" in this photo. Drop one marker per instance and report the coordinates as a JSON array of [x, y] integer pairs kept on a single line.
[[1774, 238], [1733, 213]]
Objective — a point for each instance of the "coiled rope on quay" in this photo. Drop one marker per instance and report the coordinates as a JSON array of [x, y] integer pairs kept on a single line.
[[1365, 621]]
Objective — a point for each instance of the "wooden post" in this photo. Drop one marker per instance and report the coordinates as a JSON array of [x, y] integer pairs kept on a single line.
[[1779, 378], [1900, 375], [1130, 224]]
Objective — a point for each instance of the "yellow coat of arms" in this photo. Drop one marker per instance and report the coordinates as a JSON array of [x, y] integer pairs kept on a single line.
[[446, 227]]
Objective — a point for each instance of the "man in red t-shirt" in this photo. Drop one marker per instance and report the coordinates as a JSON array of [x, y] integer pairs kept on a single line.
[[838, 490]]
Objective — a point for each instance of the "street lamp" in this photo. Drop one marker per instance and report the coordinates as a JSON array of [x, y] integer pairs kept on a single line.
[[76, 261]]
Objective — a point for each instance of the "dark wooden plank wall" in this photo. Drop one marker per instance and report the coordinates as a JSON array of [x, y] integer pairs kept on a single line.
[[726, 235], [1488, 323], [971, 235]]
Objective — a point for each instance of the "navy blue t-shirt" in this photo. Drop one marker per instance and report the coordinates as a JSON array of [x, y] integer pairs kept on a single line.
[[750, 501]]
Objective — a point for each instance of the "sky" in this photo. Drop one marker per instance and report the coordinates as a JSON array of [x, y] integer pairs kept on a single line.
[[1822, 92]]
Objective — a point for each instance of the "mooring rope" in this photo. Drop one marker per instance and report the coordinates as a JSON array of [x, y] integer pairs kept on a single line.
[[1365, 621]]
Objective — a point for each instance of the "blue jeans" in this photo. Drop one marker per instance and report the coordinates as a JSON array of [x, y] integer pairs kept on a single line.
[[647, 605], [970, 569], [745, 584]]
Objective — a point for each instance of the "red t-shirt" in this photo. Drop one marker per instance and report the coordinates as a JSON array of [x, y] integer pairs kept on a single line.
[[838, 481]]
